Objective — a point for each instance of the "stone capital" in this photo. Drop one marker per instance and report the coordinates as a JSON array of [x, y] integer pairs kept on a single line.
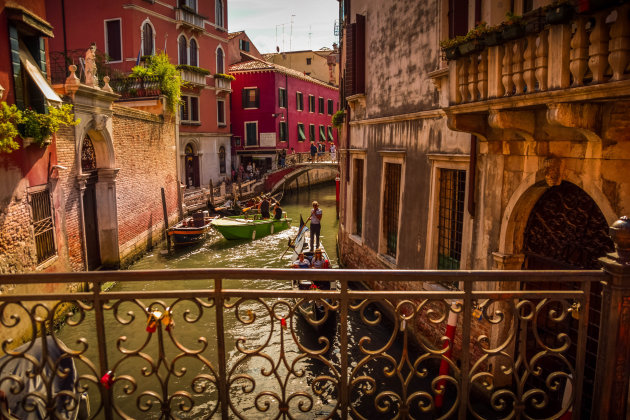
[[108, 174], [508, 261]]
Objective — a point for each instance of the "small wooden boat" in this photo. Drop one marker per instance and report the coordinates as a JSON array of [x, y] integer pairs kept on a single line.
[[249, 227], [191, 230]]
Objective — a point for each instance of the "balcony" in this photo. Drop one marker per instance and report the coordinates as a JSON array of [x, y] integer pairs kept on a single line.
[[222, 86], [582, 59], [232, 343], [188, 19], [131, 87], [193, 77]]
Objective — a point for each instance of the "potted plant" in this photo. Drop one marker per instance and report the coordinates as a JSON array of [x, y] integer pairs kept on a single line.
[[38, 128], [451, 47], [512, 27], [337, 119], [170, 81], [559, 12], [473, 41]]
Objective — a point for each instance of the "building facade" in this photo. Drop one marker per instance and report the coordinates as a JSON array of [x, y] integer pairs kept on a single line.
[[194, 35], [320, 64], [276, 108]]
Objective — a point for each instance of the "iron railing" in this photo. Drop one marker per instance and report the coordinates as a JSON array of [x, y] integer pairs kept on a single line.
[[232, 343], [130, 87]]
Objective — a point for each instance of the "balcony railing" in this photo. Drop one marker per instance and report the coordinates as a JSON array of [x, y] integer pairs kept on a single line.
[[193, 77], [231, 343], [222, 85], [188, 18], [136, 87], [590, 50]]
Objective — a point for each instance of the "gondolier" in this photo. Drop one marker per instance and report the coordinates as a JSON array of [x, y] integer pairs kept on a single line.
[[264, 207], [316, 227]]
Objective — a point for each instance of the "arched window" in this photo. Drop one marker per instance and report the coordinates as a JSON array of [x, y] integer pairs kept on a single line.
[[147, 39], [220, 68], [88, 155], [193, 53], [183, 50], [222, 159], [218, 9]]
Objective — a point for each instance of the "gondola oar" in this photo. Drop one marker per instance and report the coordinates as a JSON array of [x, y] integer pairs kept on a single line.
[[292, 243]]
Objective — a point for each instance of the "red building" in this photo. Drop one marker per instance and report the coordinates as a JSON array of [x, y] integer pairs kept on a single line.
[[275, 108], [194, 34]]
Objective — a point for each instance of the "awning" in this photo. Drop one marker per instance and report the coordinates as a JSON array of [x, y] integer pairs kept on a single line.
[[322, 133], [19, 13], [33, 71], [301, 135], [330, 134]]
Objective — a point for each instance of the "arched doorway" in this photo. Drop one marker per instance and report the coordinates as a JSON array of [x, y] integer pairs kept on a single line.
[[222, 160], [191, 166], [90, 218], [567, 230]]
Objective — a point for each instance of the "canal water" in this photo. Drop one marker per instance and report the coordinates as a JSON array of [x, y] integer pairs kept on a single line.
[[269, 356]]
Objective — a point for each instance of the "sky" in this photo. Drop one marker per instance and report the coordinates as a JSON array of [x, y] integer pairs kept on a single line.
[[263, 21]]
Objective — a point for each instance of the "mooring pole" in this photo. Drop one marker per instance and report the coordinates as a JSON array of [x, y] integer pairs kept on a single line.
[[168, 238], [211, 194]]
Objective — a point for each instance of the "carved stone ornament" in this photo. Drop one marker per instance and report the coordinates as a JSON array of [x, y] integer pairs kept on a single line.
[[620, 234], [100, 122], [553, 171], [91, 78]]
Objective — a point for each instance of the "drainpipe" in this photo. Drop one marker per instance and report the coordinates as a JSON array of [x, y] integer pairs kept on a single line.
[[63, 25], [472, 172]]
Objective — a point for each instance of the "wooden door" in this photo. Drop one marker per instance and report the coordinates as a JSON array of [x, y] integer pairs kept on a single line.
[[91, 225]]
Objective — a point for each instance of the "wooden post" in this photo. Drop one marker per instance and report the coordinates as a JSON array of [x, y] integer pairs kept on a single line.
[[240, 193], [211, 193], [613, 356], [168, 238]]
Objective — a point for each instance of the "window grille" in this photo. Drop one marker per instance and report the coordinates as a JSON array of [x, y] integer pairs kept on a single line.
[[451, 218], [391, 204], [357, 204], [43, 225]]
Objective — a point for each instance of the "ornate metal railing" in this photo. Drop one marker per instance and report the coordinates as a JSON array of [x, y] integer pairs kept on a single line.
[[136, 87], [232, 342]]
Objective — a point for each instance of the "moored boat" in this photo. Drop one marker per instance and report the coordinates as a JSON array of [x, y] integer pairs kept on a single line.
[[191, 230], [249, 227]]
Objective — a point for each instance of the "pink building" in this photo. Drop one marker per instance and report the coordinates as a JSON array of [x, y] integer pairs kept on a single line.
[[275, 108], [194, 34]]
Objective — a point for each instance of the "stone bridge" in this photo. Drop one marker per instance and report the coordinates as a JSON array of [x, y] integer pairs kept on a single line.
[[284, 176]]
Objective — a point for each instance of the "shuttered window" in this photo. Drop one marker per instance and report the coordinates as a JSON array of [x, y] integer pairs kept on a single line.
[[355, 66], [311, 132], [282, 128], [301, 134], [311, 103], [193, 53], [331, 138], [299, 98], [147, 39], [330, 107], [357, 197], [321, 105], [221, 112], [391, 205], [113, 38], [183, 50], [43, 225], [251, 134], [322, 133], [282, 98], [250, 98]]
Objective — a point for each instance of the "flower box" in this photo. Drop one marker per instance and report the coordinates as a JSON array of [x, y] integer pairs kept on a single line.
[[559, 14], [511, 32], [451, 53], [491, 39], [470, 47], [535, 24]]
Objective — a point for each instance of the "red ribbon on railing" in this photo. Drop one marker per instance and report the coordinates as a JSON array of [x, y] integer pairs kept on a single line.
[[107, 380], [283, 323]]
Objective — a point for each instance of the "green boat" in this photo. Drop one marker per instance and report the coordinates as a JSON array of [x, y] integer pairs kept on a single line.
[[239, 227]]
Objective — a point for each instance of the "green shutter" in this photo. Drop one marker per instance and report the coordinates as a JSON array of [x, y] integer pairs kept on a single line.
[[244, 99], [301, 135], [41, 60], [330, 134], [257, 102], [322, 133], [16, 65]]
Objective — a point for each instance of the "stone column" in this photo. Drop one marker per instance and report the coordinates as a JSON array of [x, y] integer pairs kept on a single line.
[[613, 357], [81, 183], [106, 212]]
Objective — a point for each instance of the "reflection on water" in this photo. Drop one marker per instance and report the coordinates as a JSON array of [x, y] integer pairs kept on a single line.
[[266, 362]]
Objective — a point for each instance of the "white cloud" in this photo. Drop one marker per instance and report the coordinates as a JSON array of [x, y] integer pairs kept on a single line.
[[263, 20]]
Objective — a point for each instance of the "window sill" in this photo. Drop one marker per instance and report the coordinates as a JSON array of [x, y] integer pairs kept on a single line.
[[190, 122], [249, 108], [387, 260], [356, 239], [50, 261], [222, 124]]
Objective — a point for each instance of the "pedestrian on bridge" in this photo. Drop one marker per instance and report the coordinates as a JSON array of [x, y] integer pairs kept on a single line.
[[313, 151]]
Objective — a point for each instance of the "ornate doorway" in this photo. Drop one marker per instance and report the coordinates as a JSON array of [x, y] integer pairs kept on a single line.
[[88, 167], [566, 230], [191, 166]]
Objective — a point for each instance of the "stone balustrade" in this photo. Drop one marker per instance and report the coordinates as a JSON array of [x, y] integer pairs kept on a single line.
[[589, 50], [190, 19], [193, 78]]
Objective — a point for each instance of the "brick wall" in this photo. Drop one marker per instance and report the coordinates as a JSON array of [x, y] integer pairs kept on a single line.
[[17, 252]]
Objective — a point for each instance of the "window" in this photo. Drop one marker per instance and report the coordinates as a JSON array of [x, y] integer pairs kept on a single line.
[[193, 53], [282, 98], [308, 61], [220, 66], [191, 4], [391, 206], [311, 132], [221, 112], [299, 101], [357, 197], [250, 98], [283, 131], [189, 111], [331, 138], [321, 105], [301, 134], [222, 159], [148, 46], [41, 211], [452, 184], [243, 45], [251, 133], [311, 103], [218, 11], [330, 107], [322, 133], [113, 40], [183, 49]]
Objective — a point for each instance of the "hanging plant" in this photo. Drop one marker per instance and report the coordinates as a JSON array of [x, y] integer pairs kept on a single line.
[[224, 76], [170, 79], [40, 127], [10, 117], [337, 119]]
